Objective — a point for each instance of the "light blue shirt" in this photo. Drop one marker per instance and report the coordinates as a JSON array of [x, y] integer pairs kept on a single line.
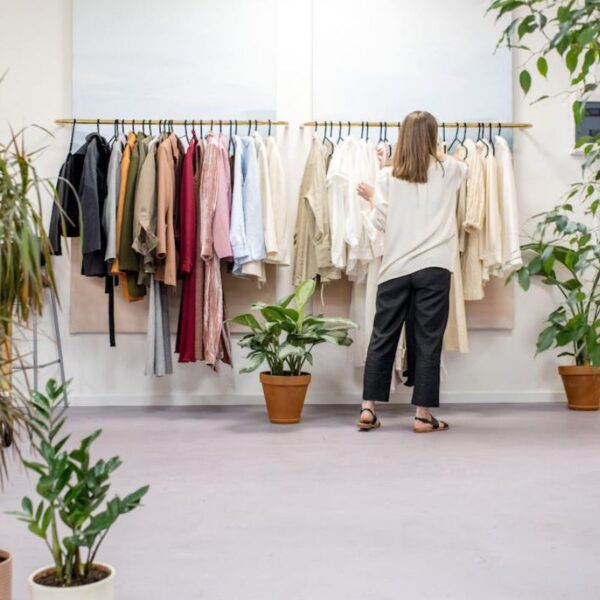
[[247, 235]]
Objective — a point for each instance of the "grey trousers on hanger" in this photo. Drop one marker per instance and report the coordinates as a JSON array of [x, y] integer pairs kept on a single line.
[[428, 290]]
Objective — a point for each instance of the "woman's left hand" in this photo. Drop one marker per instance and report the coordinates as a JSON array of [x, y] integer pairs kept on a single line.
[[366, 191]]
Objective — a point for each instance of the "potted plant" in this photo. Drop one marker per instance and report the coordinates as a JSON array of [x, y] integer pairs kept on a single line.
[[285, 338], [24, 249], [564, 252], [73, 514]]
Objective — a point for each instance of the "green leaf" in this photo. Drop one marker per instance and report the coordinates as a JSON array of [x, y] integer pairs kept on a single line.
[[304, 293], [253, 363], [27, 505], [546, 339], [523, 278], [572, 57], [247, 320], [586, 35], [525, 80], [578, 111], [284, 302], [542, 66]]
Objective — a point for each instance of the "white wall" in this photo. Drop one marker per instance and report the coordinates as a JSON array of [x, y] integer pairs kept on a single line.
[[35, 43]]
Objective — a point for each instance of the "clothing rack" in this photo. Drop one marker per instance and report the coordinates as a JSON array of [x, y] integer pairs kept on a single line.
[[191, 122], [469, 125]]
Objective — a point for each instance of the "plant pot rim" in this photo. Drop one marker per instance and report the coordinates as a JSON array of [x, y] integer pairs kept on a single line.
[[578, 370], [6, 555], [75, 587], [285, 374]]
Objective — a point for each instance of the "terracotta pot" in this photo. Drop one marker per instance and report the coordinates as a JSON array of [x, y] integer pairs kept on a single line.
[[101, 590], [284, 395], [582, 386], [5, 576]]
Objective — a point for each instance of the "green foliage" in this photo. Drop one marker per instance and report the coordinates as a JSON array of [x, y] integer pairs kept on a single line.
[[24, 247], [73, 514], [564, 252], [286, 337]]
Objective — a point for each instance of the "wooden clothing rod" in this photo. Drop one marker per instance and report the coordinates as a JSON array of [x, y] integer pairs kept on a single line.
[[459, 124], [190, 122]]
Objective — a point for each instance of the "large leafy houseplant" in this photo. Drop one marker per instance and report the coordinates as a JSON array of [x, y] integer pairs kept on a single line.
[[73, 514], [25, 269], [564, 251], [285, 336]]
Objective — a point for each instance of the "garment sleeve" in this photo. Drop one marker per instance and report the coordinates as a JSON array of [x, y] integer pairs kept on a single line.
[[377, 212], [90, 201]]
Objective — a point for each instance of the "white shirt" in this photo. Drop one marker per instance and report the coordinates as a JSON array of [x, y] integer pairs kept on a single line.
[[419, 219]]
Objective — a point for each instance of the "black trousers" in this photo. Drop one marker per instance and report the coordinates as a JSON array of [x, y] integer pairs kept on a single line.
[[425, 295]]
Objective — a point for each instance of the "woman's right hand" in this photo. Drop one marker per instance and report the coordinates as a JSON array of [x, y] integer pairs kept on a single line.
[[366, 191]]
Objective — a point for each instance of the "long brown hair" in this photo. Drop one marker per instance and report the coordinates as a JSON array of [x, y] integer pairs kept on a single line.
[[417, 145]]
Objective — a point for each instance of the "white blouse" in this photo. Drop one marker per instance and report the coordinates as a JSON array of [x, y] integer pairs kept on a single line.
[[419, 219]]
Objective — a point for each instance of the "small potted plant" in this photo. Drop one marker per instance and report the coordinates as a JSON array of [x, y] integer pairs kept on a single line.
[[73, 515], [285, 340]]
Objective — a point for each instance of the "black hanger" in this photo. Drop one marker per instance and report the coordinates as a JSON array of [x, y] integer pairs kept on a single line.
[[316, 126], [362, 129], [255, 124], [380, 132], [201, 129], [339, 132], [455, 139], [72, 136], [150, 127], [269, 134], [499, 129], [220, 126], [324, 131], [349, 128], [98, 126], [186, 131], [367, 131], [444, 136], [236, 127], [249, 126], [491, 140], [133, 125]]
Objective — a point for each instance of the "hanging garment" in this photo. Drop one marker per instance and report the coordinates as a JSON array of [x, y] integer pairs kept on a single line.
[[214, 183], [186, 330], [312, 240], [167, 159], [84, 171], [129, 263], [158, 347], [221, 224], [492, 237], [471, 264], [511, 248], [276, 175], [124, 172], [145, 239], [198, 268], [254, 233], [364, 260], [266, 197], [461, 206], [360, 253], [109, 216], [338, 195]]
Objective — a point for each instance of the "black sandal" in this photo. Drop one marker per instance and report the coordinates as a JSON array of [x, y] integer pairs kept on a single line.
[[374, 424], [435, 425]]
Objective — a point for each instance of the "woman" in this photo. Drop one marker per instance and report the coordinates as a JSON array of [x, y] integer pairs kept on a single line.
[[414, 203]]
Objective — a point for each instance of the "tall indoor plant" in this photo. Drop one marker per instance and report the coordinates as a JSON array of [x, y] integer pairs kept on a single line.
[[73, 514], [284, 339], [24, 249], [564, 252]]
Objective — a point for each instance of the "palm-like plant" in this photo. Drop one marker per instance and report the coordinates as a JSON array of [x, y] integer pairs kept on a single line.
[[25, 269]]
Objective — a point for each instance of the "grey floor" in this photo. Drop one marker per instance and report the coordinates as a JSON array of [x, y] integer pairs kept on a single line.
[[504, 506]]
